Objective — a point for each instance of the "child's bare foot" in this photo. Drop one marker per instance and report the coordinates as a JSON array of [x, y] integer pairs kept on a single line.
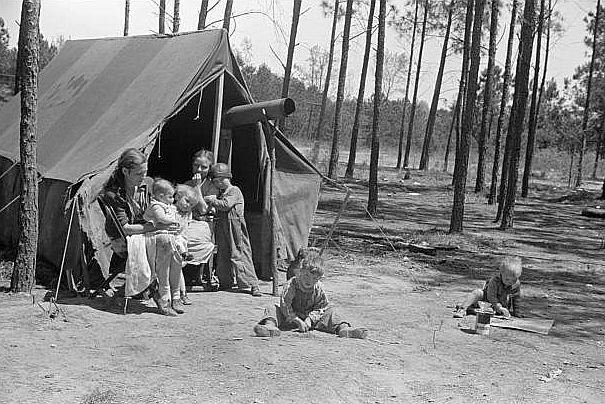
[[267, 327], [348, 332]]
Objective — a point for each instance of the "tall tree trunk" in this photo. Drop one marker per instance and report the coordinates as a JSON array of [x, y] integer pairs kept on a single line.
[[227, 15], [487, 98], [500, 125], [24, 270], [375, 148], [340, 92], [176, 18], [291, 46], [201, 20], [517, 114], [430, 125], [460, 171], [449, 136], [599, 147], [126, 16], [407, 88], [533, 108], [162, 21], [360, 94], [408, 143], [587, 103], [572, 153], [468, 29], [324, 96]]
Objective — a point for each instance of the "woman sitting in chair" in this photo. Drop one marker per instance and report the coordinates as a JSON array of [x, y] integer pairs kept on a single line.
[[200, 232], [127, 192]]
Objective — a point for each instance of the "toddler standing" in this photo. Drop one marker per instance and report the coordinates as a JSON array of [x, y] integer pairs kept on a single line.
[[502, 291], [234, 253]]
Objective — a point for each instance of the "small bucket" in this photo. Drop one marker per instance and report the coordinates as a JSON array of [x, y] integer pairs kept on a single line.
[[482, 325]]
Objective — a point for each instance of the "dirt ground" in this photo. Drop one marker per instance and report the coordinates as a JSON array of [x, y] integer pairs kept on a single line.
[[417, 352]]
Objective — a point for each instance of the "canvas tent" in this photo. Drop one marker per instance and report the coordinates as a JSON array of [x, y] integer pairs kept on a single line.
[[161, 94]]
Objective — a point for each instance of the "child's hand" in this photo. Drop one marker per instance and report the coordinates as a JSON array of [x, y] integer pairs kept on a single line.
[[302, 325], [210, 199], [504, 311]]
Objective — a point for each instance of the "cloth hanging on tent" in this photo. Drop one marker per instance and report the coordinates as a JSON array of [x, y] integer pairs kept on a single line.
[[138, 271]]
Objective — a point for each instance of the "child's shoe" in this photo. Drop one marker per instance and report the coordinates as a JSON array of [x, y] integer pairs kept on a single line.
[[348, 332], [255, 291], [267, 327], [177, 306], [185, 300], [460, 312], [165, 309]]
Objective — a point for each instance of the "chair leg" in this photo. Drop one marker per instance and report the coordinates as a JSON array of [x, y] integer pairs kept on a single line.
[[126, 299], [105, 284]]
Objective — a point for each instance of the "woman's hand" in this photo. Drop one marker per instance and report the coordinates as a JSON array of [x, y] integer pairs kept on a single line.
[[171, 228], [197, 179]]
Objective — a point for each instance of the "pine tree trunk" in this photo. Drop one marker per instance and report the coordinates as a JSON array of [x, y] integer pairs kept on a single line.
[[201, 21], [487, 99], [599, 148], [126, 16], [430, 125], [162, 21], [291, 46], [375, 148], [449, 136], [24, 270], [460, 171], [533, 109], [468, 29], [587, 103], [407, 88], [500, 124], [227, 15], [515, 126], [360, 94], [340, 92], [408, 143], [176, 18], [324, 96]]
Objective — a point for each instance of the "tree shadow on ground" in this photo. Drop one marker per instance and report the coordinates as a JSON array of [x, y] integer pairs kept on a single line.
[[563, 276]]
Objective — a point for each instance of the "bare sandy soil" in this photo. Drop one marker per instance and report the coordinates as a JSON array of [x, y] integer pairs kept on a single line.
[[417, 352]]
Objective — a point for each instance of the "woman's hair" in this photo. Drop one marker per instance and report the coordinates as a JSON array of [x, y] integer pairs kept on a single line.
[[511, 265], [311, 261], [203, 153], [129, 159]]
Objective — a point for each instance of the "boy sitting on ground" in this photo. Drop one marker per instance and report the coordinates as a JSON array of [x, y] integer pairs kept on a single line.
[[502, 291], [304, 306]]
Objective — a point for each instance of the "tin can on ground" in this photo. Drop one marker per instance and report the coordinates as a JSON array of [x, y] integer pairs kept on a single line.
[[482, 324]]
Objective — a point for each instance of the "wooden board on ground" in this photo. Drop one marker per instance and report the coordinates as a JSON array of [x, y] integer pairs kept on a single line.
[[537, 325]]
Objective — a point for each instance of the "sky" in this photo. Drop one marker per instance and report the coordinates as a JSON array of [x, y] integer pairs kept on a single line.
[[265, 24]]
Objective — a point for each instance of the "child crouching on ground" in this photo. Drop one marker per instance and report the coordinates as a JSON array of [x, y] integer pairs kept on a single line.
[[502, 291], [304, 306]]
